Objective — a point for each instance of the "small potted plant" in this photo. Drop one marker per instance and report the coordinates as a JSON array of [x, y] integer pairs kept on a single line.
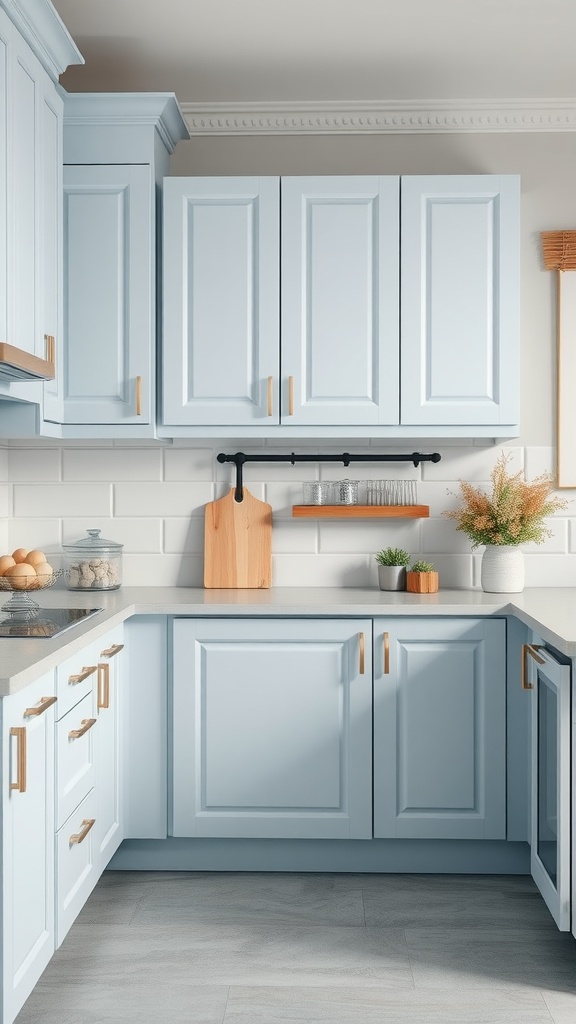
[[422, 578], [392, 564]]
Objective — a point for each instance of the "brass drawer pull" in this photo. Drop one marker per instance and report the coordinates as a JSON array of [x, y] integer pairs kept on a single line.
[[39, 709], [20, 733], [87, 724], [83, 675], [386, 644], [111, 652], [84, 830], [530, 649], [103, 686], [361, 659]]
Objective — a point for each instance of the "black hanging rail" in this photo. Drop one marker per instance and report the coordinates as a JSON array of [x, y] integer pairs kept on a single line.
[[239, 460]]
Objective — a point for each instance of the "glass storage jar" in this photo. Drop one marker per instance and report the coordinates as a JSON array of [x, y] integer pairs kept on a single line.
[[93, 563]]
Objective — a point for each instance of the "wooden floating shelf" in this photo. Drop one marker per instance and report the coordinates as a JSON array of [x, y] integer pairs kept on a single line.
[[361, 511]]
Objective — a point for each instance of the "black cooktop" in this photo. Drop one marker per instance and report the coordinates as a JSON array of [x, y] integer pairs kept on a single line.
[[43, 622]]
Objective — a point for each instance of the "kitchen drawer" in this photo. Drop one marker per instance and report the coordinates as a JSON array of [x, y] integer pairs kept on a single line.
[[75, 677], [74, 757], [76, 874]]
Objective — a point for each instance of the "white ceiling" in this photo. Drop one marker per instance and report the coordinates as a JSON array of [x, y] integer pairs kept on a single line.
[[296, 50]]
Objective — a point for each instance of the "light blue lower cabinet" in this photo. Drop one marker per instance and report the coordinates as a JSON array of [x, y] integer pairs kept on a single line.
[[440, 728], [272, 728]]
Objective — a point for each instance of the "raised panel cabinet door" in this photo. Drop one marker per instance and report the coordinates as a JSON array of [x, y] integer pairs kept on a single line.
[[440, 729], [220, 343], [109, 828], [459, 284], [50, 242], [27, 840], [340, 312], [108, 294], [272, 729]]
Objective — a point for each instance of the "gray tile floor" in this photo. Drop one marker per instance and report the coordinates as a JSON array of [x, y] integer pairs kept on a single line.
[[164, 948]]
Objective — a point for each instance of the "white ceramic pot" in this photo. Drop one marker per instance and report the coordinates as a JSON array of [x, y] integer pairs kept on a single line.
[[392, 577], [502, 569]]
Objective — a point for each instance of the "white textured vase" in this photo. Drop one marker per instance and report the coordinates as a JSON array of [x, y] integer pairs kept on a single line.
[[502, 570]]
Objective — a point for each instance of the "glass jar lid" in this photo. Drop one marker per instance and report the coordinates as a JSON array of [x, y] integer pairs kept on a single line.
[[94, 542]]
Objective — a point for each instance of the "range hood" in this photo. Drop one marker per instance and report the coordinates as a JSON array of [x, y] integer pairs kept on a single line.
[[16, 364]]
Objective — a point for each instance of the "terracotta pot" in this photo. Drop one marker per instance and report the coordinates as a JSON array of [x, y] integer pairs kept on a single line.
[[422, 582]]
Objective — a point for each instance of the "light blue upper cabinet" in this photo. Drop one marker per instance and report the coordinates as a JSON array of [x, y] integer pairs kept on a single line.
[[116, 152], [460, 301], [398, 306], [34, 49], [440, 728], [221, 357], [340, 303]]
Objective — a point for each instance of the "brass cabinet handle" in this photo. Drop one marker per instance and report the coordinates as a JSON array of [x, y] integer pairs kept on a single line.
[[361, 657], [270, 397], [290, 396], [87, 724], [20, 733], [530, 649], [72, 680], [39, 709], [111, 652], [84, 830], [386, 645], [103, 686], [50, 348]]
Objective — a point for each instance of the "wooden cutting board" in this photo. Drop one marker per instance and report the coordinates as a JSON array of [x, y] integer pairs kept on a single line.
[[238, 543]]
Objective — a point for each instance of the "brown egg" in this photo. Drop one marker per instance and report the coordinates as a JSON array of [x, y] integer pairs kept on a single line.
[[6, 562], [43, 573], [20, 554], [21, 575], [35, 557]]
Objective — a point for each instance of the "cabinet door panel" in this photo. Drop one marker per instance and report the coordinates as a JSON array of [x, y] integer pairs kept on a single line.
[[220, 337], [460, 300], [280, 723], [439, 731], [340, 300], [27, 845], [108, 299], [4, 262], [24, 208], [50, 241], [109, 828], [74, 758]]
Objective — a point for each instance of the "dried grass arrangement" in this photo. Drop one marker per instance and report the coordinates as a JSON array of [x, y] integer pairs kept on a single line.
[[513, 513]]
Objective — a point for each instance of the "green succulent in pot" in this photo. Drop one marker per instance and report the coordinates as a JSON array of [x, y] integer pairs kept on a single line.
[[392, 564]]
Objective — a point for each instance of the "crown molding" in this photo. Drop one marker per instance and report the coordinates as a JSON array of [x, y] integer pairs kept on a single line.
[[413, 117], [45, 33], [159, 109]]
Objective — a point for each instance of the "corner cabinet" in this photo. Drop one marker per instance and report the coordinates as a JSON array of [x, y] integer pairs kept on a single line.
[[116, 152], [272, 728], [440, 728], [282, 302]]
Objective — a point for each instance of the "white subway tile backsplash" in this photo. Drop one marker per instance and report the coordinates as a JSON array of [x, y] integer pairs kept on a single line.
[[35, 533], [184, 535], [294, 536], [163, 570], [369, 536], [320, 571], [140, 535], [113, 464], [49, 500], [442, 536], [469, 463], [151, 498], [191, 464], [33, 465], [161, 499]]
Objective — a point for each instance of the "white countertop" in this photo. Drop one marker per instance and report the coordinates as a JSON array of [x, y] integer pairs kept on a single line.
[[549, 611]]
